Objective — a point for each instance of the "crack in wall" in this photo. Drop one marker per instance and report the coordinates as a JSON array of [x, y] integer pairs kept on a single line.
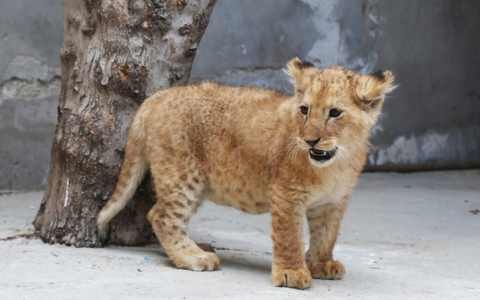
[[30, 79], [29, 68], [29, 89]]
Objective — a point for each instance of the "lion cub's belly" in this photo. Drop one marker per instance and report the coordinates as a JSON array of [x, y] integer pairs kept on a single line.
[[242, 199]]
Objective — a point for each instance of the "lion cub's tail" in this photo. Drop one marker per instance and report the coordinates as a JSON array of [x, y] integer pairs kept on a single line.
[[133, 170]]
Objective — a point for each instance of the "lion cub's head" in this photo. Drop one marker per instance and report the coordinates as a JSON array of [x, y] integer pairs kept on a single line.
[[335, 109]]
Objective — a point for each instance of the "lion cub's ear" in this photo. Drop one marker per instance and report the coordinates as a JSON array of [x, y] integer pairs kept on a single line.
[[372, 88], [300, 71]]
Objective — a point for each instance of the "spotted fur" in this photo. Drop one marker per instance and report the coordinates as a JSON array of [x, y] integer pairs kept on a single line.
[[247, 148]]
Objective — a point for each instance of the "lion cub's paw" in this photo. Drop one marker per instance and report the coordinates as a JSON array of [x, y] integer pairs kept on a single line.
[[298, 278], [331, 269], [206, 261]]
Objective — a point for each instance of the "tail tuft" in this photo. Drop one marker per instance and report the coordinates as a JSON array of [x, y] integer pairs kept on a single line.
[[103, 228], [133, 170]]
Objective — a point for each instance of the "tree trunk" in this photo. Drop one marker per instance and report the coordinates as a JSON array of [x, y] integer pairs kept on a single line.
[[115, 53]]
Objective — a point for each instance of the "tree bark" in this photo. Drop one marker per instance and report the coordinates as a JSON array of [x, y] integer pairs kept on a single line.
[[115, 53]]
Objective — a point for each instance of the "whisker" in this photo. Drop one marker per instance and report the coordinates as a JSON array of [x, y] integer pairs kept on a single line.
[[291, 154], [295, 151], [340, 153], [290, 148], [298, 150], [344, 153], [290, 144]]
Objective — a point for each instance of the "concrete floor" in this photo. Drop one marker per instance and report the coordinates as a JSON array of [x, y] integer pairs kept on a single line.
[[404, 236]]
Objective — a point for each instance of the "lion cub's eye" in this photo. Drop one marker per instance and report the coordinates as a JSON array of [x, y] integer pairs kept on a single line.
[[304, 110], [334, 112]]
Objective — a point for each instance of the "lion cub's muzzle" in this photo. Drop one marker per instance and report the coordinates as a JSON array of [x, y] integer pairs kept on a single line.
[[322, 155]]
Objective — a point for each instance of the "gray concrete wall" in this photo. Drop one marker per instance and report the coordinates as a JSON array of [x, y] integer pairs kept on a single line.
[[434, 116], [248, 41], [431, 120], [31, 34]]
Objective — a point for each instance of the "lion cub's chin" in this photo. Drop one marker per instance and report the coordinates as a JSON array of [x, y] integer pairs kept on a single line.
[[322, 164]]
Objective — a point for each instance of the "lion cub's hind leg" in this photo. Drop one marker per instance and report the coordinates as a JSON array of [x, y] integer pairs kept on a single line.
[[177, 200]]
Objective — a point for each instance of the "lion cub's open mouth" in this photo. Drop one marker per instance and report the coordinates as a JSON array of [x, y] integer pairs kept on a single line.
[[317, 154]]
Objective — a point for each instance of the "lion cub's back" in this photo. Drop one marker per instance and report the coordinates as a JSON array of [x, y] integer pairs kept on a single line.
[[208, 109]]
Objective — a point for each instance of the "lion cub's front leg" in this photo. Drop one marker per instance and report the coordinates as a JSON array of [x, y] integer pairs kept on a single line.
[[289, 268], [324, 222]]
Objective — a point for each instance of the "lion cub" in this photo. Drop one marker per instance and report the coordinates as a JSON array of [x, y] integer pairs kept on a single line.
[[258, 151]]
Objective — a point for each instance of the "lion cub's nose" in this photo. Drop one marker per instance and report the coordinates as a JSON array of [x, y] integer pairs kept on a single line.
[[313, 142]]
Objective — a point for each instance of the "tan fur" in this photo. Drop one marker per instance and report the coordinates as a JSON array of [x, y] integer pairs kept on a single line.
[[246, 148]]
